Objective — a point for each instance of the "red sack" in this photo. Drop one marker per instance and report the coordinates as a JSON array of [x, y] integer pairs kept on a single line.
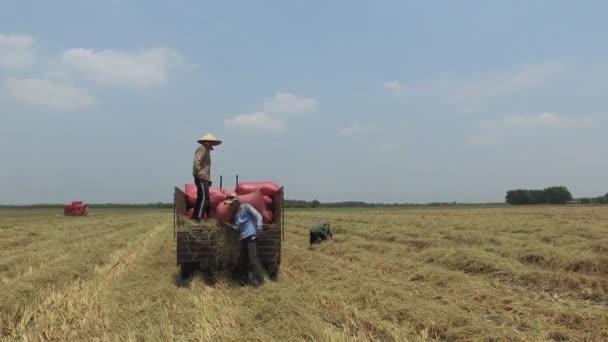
[[267, 200], [267, 188], [267, 216], [255, 199], [191, 194], [216, 196], [268, 203], [224, 213]]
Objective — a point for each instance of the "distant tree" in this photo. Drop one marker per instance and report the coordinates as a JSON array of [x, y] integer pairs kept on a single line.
[[518, 196], [315, 204], [551, 195], [557, 195], [537, 196], [600, 199]]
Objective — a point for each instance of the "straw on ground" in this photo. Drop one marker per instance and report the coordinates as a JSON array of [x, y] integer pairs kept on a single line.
[[390, 275]]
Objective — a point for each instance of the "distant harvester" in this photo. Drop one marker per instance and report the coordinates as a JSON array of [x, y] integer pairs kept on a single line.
[[76, 208]]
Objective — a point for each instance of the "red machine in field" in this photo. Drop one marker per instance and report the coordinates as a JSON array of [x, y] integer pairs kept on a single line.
[[76, 208]]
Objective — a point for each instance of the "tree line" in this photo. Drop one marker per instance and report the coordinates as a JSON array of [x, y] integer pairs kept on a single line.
[[594, 200], [550, 195], [361, 204]]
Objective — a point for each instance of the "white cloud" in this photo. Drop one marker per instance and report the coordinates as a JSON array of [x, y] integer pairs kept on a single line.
[[49, 94], [16, 51], [283, 102], [268, 117], [515, 124], [350, 130], [58, 74], [393, 87], [142, 69], [471, 92], [540, 120], [259, 120]]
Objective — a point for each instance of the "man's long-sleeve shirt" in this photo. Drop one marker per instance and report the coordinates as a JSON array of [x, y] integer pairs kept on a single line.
[[248, 220], [201, 165]]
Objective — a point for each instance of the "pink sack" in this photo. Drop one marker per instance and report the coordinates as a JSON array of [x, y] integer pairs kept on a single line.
[[267, 188], [255, 199], [267, 200], [191, 194], [191, 212], [268, 203], [216, 196], [224, 213], [267, 216]]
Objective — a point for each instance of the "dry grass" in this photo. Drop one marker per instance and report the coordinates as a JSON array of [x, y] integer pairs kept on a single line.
[[492, 274]]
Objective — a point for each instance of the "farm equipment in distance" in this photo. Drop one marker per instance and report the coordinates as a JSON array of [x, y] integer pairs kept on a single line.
[[76, 208]]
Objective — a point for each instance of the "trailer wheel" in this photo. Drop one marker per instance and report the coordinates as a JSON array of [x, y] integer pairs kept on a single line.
[[273, 272], [187, 268]]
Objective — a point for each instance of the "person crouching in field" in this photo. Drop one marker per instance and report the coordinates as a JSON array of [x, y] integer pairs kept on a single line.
[[320, 232], [249, 223]]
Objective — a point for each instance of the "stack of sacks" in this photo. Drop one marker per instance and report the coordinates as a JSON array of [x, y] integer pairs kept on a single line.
[[216, 196], [266, 188], [225, 213], [259, 194]]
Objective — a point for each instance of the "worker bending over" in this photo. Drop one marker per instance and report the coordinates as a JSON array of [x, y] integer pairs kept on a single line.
[[320, 232], [201, 170], [249, 223]]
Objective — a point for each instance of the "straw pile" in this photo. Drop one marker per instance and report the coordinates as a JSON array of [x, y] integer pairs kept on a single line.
[[221, 239]]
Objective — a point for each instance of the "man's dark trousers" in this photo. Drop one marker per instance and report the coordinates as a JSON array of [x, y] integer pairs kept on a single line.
[[248, 261], [202, 199]]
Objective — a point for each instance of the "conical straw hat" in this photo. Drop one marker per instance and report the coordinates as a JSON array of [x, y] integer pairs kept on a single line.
[[210, 138]]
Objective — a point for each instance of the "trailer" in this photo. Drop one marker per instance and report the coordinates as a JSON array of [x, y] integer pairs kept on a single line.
[[200, 246]]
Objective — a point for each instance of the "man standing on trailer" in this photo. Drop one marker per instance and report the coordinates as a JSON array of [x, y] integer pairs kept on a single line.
[[201, 170], [249, 223]]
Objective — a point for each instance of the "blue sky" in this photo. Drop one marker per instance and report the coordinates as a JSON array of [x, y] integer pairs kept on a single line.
[[388, 101]]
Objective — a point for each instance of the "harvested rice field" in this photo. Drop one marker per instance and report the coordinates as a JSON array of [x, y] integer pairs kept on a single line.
[[424, 274]]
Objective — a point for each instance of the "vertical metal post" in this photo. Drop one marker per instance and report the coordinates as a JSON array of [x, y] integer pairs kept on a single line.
[[237, 182], [221, 179], [283, 214], [174, 220]]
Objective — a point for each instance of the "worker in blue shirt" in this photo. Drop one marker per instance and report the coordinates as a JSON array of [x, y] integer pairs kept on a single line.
[[249, 223]]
